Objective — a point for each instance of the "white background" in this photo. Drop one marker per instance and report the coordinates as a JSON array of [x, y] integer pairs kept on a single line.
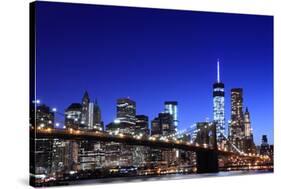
[[14, 70]]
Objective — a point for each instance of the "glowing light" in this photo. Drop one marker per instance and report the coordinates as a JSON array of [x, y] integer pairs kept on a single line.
[[116, 121], [54, 109], [72, 172]]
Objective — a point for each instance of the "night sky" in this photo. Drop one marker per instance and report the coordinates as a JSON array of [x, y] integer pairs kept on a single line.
[[152, 56]]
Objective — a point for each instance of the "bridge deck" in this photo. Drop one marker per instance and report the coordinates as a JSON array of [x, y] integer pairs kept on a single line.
[[106, 137]]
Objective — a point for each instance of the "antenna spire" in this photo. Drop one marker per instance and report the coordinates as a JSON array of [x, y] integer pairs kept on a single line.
[[218, 71]]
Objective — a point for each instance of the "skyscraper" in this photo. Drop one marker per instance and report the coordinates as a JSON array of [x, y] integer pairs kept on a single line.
[[218, 105], [84, 115], [91, 115], [264, 140], [162, 125], [73, 116], [247, 124], [236, 129], [44, 117], [126, 117], [171, 107], [249, 145], [141, 126], [97, 112], [85, 109], [264, 146], [41, 148], [97, 121], [126, 110]]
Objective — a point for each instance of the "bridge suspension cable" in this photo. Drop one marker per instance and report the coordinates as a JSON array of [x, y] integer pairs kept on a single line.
[[239, 151]]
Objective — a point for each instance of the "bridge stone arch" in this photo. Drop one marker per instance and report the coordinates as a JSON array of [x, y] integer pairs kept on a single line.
[[207, 161]]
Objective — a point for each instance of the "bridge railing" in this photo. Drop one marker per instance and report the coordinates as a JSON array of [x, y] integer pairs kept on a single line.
[[173, 142]]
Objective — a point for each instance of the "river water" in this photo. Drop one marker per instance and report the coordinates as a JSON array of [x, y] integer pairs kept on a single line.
[[168, 177]]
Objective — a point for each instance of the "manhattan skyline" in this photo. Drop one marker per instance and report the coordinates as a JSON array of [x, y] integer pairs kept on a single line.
[[146, 55]]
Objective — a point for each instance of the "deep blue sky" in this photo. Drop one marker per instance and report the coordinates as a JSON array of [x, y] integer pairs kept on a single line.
[[151, 56]]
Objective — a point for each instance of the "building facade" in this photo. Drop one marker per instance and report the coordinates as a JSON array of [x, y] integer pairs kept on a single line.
[[163, 125], [44, 117], [236, 128], [85, 109], [126, 110], [141, 127], [171, 107], [219, 105], [248, 142], [73, 116], [41, 149], [97, 119]]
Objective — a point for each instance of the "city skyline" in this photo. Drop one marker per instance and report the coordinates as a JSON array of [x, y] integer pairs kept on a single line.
[[149, 69], [61, 124]]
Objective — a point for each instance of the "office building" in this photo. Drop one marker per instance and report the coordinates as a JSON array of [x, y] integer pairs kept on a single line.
[[163, 125], [171, 107], [73, 116], [126, 110], [219, 106], [141, 127], [85, 109], [236, 128]]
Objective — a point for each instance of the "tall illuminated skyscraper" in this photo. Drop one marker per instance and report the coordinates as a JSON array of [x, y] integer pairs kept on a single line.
[[248, 140], [236, 127], [218, 105], [126, 110], [247, 124], [171, 107]]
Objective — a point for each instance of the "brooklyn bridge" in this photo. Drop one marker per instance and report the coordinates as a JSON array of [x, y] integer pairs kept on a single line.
[[204, 146]]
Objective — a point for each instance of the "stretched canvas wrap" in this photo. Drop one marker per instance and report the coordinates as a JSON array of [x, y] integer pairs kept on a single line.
[[126, 93]]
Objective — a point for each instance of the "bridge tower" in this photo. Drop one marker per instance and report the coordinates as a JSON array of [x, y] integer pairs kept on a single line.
[[207, 161]]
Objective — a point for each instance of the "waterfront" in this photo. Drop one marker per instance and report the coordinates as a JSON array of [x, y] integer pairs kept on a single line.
[[157, 177], [170, 177]]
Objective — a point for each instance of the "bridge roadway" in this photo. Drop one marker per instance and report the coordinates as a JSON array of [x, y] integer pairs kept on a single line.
[[126, 139]]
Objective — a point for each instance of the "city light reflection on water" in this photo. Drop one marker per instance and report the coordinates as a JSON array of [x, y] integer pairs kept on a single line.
[[170, 177]]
